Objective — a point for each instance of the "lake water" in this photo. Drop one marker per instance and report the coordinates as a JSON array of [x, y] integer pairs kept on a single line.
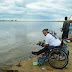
[[18, 39]]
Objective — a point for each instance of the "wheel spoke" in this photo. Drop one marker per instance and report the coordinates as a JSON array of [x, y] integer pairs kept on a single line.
[[58, 59]]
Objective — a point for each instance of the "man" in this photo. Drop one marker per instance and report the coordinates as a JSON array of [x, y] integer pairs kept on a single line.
[[50, 42], [65, 28]]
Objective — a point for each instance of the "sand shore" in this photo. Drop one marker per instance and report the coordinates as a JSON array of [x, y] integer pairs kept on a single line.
[[27, 65]]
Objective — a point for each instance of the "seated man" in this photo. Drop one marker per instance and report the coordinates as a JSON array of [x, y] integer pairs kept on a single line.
[[50, 42]]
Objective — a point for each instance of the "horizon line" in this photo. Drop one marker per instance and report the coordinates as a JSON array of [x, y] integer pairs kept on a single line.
[[34, 20]]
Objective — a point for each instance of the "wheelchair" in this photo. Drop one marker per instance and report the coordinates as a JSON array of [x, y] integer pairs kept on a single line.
[[57, 57]]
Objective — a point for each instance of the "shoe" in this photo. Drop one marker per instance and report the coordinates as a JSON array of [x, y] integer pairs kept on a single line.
[[34, 53]]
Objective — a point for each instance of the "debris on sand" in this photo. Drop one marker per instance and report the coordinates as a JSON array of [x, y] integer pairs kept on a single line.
[[19, 65]]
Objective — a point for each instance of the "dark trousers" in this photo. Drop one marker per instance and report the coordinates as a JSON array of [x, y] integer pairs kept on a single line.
[[45, 49], [65, 34]]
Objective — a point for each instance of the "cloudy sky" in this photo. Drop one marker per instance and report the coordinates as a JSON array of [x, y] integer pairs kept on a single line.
[[35, 9]]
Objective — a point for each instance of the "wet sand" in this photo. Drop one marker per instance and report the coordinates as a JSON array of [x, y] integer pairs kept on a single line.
[[26, 65]]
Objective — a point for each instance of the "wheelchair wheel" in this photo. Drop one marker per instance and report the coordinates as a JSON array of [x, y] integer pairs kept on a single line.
[[68, 53], [58, 59]]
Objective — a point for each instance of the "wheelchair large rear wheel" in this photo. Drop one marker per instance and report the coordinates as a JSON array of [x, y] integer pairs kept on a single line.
[[58, 59]]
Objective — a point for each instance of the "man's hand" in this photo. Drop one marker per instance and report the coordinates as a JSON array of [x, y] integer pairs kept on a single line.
[[42, 44], [61, 30]]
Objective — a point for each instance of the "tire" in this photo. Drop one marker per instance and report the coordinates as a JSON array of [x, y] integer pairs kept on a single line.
[[68, 52], [58, 52]]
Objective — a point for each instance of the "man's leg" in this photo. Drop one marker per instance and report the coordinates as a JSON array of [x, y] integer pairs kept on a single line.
[[40, 51], [43, 50], [67, 33], [64, 35]]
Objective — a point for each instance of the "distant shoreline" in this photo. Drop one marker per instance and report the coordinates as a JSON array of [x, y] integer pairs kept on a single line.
[[30, 21]]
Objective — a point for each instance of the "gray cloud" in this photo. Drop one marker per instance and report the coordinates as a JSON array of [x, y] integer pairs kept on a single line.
[[32, 9]]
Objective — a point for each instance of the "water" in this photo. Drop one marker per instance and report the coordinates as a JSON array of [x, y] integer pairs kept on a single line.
[[18, 39]]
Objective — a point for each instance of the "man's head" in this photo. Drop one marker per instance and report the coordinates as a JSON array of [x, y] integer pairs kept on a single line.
[[65, 18], [45, 32]]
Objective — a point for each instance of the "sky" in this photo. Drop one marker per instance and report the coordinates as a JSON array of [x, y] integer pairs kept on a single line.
[[35, 9]]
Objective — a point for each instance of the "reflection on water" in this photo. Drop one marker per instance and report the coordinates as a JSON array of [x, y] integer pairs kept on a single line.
[[19, 38]]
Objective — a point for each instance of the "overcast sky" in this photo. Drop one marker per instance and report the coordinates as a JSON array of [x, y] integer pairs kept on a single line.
[[35, 9]]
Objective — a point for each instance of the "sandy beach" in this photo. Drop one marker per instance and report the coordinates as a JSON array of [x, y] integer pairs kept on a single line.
[[27, 65]]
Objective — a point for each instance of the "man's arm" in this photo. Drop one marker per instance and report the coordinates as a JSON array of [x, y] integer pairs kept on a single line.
[[46, 43]]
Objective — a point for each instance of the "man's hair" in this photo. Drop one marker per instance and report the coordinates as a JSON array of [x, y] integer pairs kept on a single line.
[[45, 30], [65, 18]]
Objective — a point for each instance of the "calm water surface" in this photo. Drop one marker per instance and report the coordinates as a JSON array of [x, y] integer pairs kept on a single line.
[[19, 38]]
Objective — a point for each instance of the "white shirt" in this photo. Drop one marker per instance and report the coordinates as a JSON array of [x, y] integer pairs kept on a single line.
[[52, 41]]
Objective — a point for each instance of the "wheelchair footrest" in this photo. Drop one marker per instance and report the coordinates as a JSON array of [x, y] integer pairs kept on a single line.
[[40, 59]]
